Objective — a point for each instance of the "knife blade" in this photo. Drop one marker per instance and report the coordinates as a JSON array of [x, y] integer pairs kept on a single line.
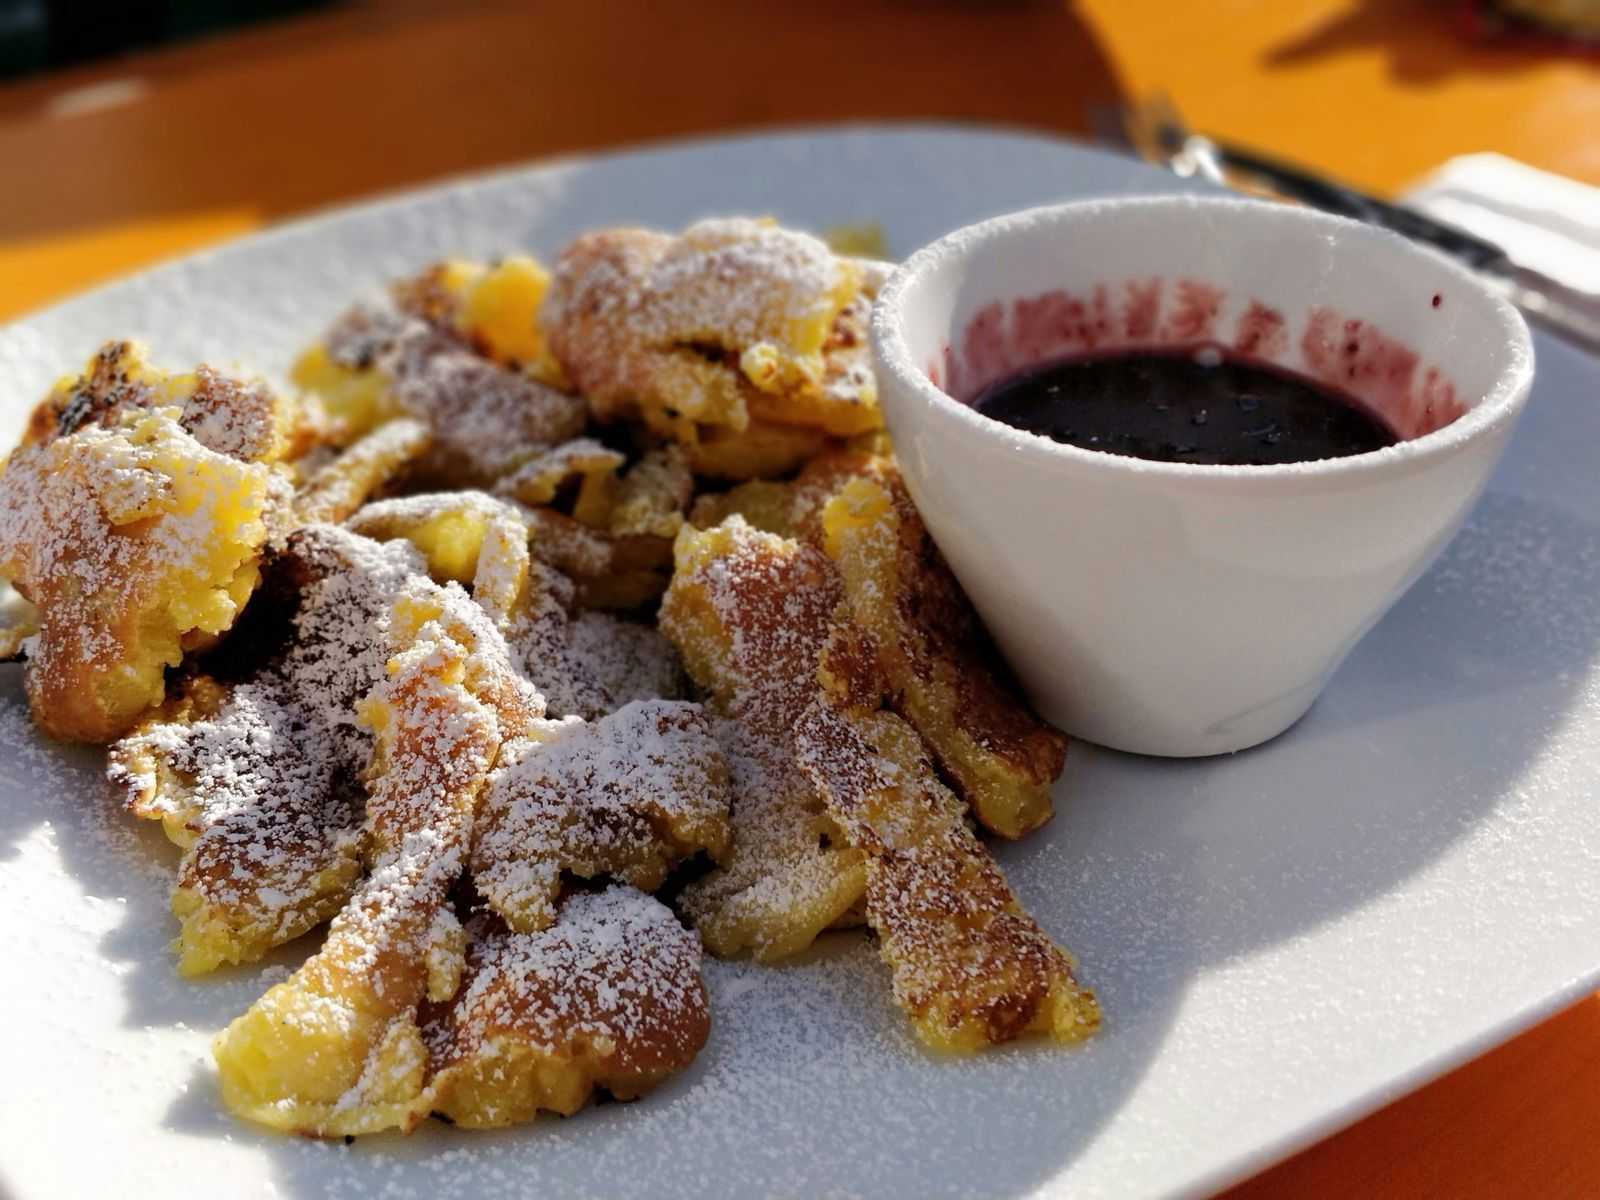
[[1155, 130]]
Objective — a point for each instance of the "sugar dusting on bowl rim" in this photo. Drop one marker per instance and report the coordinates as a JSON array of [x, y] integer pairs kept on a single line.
[[1499, 406]]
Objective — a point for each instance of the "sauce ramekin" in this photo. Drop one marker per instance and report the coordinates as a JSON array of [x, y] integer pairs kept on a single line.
[[1180, 609]]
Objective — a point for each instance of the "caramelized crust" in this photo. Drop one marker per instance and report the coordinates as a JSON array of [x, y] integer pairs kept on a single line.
[[630, 796], [610, 996], [115, 381], [934, 656], [970, 967], [336, 1048], [749, 613], [259, 780], [132, 541], [242, 419]]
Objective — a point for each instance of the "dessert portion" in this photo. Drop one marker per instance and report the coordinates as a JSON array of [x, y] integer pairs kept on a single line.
[[970, 967], [935, 665], [629, 797], [740, 341], [255, 769], [836, 799], [564, 624], [935, 662], [750, 613], [336, 1049], [334, 485], [486, 417], [610, 996], [133, 539]]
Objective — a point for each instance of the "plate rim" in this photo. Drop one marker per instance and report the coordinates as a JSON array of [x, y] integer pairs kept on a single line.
[[1241, 1166]]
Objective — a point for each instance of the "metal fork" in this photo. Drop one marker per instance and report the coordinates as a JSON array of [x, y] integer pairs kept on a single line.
[[1152, 129]]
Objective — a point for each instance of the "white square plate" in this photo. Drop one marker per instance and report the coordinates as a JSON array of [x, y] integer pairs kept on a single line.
[[1282, 940]]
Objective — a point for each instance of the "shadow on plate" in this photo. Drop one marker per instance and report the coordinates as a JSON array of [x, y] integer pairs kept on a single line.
[[1170, 868], [1155, 873]]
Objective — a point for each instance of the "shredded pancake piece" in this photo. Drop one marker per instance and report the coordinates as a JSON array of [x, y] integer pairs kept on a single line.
[[791, 509], [630, 661], [133, 542], [588, 462], [749, 613], [630, 796], [586, 664], [466, 537], [336, 1048], [761, 450], [740, 340], [611, 572], [969, 966], [610, 996], [344, 481], [486, 419], [653, 496], [242, 419], [939, 670], [260, 780], [493, 307]]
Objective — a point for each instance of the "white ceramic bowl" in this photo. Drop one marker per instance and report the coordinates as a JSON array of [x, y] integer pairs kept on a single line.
[[1171, 608]]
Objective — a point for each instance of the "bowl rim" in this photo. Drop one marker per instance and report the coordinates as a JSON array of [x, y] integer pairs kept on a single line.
[[1502, 403]]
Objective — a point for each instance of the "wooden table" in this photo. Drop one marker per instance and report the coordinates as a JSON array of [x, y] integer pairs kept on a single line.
[[111, 167]]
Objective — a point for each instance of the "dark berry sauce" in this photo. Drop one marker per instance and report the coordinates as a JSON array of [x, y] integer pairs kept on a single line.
[[1193, 406]]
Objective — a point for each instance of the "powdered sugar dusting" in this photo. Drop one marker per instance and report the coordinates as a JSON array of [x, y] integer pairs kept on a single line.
[[263, 777], [793, 1091], [615, 955], [629, 795], [750, 612], [127, 539]]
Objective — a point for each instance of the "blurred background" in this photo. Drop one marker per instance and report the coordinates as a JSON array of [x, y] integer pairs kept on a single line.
[[137, 129]]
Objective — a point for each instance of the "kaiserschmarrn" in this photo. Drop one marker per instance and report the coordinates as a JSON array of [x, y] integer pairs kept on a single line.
[[554, 628]]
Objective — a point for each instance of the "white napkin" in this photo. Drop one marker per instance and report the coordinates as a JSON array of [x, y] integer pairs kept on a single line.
[[1545, 222]]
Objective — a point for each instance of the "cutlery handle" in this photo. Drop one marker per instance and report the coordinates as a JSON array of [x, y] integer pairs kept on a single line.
[[1336, 198]]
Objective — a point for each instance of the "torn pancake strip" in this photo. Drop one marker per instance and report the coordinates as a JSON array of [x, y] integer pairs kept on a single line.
[[259, 780], [969, 967], [336, 1048], [749, 613], [609, 996], [629, 796]]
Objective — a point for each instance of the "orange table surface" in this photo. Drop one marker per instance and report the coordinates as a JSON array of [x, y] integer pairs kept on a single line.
[[111, 167]]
